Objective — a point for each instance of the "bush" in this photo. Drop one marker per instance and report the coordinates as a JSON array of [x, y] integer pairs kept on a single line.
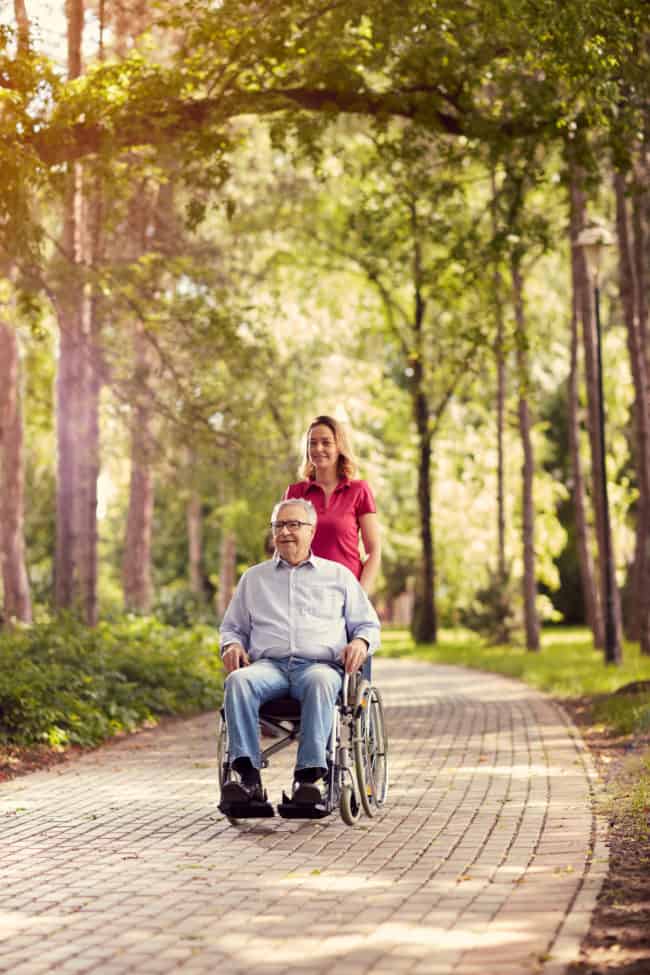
[[178, 606], [62, 683], [494, 612]]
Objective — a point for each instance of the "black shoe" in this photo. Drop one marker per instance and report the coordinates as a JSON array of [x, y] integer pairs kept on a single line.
[[237, 792], [309, 793]]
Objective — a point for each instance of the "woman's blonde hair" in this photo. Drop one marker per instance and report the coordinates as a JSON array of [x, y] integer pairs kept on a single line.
[[347, 464]]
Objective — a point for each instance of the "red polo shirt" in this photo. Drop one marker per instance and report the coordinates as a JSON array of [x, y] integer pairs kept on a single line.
[[337, 531]]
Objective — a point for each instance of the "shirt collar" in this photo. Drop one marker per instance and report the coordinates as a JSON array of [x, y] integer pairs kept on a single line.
[[280, 562], [344, 482]]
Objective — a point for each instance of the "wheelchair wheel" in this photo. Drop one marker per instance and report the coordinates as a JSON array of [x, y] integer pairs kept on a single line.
[[349, 805], [223, 765], [371, 749]]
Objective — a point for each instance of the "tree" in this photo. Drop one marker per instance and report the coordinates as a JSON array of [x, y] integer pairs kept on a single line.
[[396, 219], [17, 599]]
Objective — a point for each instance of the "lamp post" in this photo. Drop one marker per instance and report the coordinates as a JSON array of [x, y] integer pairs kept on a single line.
[[593, 239]]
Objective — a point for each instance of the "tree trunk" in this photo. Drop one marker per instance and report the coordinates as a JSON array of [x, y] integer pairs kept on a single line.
[[195, 544], [136, 566], [227, 573], [143, 229], [23, 25], [425, 624], [590, 593], [642, 264], [531, 619], [68, 405], [499, 356], [633, 302], [17, 598], [588, 306], [77, 388]]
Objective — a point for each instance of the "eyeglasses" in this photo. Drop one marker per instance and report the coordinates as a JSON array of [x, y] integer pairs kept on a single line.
[[293, 526]]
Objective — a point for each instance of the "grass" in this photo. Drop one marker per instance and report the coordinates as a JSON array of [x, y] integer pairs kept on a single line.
[[566, 666], [639, 798]]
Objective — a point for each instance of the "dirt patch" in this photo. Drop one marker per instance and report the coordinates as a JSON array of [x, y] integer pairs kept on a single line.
[[618, 941], [19, 761]]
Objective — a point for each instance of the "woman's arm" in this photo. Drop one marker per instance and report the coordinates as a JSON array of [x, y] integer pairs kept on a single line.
[[369, 525]]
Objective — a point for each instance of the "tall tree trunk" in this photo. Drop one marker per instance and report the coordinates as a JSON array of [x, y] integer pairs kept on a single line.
[[531, 619], [77, 392], [610, 599], [499, 355], [136, 567], [195, 544], [23, 25], [633, 302], [17, 598], [227, 573], [89, 457], [642, 264], [590, 592], [69, 381], [425, 624]]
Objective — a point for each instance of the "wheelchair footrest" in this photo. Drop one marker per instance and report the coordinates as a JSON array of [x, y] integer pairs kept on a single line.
[[247, 810], [302, 810]]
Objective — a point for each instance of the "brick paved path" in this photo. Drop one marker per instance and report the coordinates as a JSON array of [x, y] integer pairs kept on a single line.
[[486, 860]]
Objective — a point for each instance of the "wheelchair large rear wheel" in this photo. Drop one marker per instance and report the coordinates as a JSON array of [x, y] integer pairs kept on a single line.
[[223, 763], [222, 752], [371, 749]]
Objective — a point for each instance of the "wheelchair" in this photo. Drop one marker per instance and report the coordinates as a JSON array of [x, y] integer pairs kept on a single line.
[[357, 755]]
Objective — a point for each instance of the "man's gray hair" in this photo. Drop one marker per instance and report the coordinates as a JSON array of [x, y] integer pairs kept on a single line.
[[308, 507]]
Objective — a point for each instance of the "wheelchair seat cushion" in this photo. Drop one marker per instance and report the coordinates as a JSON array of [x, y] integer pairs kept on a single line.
[[281, 709]]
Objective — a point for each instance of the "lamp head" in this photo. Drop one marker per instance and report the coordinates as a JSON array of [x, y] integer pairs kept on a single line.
[[594, 238]]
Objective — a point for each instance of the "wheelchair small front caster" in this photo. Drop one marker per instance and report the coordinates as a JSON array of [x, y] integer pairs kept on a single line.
[[349, 805]]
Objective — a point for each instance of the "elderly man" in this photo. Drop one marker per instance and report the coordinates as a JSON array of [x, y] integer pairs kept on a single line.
[[294, 624]]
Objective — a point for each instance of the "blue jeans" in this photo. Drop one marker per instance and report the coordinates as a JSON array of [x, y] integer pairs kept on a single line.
[[316, 685]]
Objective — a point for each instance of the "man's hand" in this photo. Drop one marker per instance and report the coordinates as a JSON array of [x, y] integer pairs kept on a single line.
[[235, 657], [354, 655]]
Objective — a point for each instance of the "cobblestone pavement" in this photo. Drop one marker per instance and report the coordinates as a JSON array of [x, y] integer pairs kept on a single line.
[[487, 858]]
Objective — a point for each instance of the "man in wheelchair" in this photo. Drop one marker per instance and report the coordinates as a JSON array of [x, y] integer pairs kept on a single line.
[[295, 624]]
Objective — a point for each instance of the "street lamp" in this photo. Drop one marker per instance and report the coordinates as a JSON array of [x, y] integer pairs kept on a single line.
[[593, 239]]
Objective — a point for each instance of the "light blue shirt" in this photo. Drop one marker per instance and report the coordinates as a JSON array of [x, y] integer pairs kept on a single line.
[[309, 610]]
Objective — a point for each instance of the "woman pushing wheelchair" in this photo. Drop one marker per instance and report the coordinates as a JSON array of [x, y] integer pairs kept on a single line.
[[345, 506]]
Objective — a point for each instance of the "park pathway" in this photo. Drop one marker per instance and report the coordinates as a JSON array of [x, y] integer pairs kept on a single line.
[[486, 860]]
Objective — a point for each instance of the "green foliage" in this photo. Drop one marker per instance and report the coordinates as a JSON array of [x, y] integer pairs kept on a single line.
[[639, 796], [626, 713], [177, 605], [493, 612], [61, 683]]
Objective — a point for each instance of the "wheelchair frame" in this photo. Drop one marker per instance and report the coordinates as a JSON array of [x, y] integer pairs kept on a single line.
[[357, 755]]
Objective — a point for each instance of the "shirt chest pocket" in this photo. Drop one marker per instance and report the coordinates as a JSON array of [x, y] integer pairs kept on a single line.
[[321, 602]]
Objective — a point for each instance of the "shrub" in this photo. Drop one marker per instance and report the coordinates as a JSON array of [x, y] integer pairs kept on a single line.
[[62, 683]]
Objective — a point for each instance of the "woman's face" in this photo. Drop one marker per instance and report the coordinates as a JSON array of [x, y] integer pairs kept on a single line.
[[322, 449]]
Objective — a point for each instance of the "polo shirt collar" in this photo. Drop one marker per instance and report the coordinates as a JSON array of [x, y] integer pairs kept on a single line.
[[343, 482]]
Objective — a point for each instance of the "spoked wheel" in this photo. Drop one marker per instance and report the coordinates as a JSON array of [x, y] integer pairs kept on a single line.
[[223, 764], [371, 749], [349, 805]]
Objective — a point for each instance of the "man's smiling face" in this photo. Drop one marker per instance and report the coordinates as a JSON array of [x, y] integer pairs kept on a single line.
[[293, 542]]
